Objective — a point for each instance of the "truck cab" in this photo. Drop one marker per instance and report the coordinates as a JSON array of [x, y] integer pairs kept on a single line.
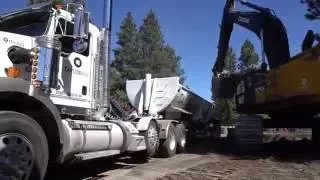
[[53, 88], [75, 77]]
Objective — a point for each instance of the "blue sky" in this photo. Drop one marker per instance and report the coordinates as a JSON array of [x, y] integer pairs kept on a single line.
[[192, 29]]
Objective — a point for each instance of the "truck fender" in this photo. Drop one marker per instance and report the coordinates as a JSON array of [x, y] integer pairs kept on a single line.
[[126, 135], [164, 127], [143, 123], [19, 86]]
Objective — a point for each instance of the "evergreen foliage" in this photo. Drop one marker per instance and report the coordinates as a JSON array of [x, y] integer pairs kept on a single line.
[[142, 50]]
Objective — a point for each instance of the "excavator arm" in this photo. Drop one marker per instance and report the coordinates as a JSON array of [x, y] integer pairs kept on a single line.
[[264, 24]]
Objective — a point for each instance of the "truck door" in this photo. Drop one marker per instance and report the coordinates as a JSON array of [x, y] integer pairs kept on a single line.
[[74, 70]]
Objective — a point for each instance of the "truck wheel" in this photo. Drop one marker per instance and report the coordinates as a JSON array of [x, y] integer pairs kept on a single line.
[[169, 145], [23, 147], [152, 139], [151, 136], [181, 138]]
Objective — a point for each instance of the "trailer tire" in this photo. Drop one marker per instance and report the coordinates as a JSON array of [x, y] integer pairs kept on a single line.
[[24, 146], [168, 147], [181, 138]]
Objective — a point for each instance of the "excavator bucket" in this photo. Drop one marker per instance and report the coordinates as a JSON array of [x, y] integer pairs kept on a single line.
[[225, 87]]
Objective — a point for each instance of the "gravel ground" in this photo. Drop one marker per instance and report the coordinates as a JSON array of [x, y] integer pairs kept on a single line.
[[280, 160], [290, 156], [262, 169]]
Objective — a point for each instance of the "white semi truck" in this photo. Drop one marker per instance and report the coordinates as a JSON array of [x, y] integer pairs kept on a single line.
[[54, 96]]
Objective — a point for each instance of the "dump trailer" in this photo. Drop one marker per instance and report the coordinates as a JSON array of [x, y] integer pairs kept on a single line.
[[283, 93], [174, 107]]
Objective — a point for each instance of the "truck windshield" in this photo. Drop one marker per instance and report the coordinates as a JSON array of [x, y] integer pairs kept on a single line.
[[28, 22]]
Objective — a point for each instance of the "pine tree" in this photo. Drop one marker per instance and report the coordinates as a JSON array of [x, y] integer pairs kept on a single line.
[[230, 61], [313, 9], [159, 58], [151, 37], [248, 57], [142, 51], [125, 65], [224, 108]]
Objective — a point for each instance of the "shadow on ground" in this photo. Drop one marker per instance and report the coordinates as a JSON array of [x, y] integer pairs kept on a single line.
[[91, 170]]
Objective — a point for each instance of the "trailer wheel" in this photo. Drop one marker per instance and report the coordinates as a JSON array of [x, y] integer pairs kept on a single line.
[[181, 138], [23, 147], [168, 147]]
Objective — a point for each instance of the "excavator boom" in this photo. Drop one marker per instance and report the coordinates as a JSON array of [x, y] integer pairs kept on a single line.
[[264, 24]]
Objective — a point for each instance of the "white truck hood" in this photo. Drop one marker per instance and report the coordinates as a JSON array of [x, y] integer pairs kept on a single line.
[[10, 39]]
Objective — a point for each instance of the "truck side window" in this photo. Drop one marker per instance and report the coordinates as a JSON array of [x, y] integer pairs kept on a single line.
[[67, 42]]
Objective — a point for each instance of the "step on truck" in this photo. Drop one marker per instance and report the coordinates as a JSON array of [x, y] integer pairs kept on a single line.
[[55, 105]]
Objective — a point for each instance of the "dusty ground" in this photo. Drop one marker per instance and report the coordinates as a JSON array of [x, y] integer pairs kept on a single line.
[[282, 160], [264, 169]]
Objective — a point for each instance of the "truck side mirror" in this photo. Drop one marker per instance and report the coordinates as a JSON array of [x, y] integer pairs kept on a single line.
[[81, 23]]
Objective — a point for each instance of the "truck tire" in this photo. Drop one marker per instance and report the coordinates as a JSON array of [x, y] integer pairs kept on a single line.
[[151, 136], [181, 138], [249, 133], [24, 150], [152, 139], [168, 147]]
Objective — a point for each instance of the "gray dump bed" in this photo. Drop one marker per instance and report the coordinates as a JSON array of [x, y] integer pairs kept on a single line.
[[167, 95]]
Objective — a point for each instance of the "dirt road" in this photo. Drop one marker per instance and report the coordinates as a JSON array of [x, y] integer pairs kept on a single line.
[[126, 168], [284, 160], [263, 169]]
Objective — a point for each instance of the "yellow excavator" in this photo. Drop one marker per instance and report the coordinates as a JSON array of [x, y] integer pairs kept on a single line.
[[283, 93]]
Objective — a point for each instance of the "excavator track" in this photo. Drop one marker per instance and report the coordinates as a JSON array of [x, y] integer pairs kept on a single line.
[[249, 133]]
